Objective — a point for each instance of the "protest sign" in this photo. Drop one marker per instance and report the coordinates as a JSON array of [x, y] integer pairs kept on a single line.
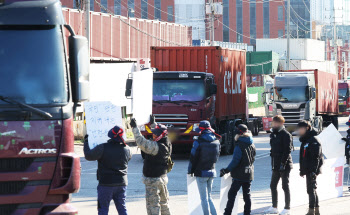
[[100, 118], [194, 200], [225, 186]]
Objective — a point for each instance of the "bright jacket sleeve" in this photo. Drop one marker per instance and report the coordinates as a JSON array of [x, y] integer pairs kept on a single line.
[[237, 156], [147, 146]]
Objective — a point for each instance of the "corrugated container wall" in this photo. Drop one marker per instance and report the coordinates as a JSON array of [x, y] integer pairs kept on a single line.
[[300, 49], [326, 93], [327, 66], [110, 37], [256, 63], [227, 65]]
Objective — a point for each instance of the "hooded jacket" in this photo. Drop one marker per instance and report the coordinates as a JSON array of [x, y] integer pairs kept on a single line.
[[311, 157], [241, 166], [281, 142], [204, 154]]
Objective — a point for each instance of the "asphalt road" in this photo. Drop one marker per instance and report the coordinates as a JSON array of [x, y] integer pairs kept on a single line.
[[86, 200]]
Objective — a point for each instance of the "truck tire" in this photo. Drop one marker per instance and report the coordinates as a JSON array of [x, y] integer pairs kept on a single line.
[[256, 128], [228, 139], [335, 122]]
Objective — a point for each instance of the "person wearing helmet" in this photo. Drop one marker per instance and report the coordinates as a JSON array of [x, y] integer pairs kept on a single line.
[[155, 167], [310, 160], [204, 154], [112, 170], [241, 168]]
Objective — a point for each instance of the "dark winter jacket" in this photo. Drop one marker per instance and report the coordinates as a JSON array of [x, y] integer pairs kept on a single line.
[[311, 157], [157, 165], [242, 164], [113, 158], [347, 145], [204, 154], [281, 142]]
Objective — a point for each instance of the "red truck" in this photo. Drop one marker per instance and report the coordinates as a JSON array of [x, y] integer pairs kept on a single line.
[[306, 95], [199, 83], [39, 91], [344, 97]]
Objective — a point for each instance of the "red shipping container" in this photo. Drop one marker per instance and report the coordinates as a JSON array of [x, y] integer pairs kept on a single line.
[[227, 65], [326, 93]]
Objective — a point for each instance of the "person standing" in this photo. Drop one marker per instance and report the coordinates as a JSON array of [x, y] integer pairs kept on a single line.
[[241, 169], [113, 158], [204, 155], [155, 167], [311, 161], [281, 142]]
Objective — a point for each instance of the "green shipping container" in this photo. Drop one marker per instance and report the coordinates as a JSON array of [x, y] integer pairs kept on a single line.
[[256, 63]]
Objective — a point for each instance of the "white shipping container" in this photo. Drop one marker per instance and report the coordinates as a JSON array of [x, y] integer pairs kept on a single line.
[[325, 66], [300, 49]]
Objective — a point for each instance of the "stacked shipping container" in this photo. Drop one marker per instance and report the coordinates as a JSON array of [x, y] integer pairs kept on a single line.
[[110, 37]]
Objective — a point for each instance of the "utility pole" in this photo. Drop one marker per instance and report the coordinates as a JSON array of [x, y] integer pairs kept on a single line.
[[212, 9], [335, 43], [87, 22], [211, 18], [288, 34]]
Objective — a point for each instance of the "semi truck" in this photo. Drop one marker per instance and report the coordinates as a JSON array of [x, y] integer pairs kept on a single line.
[[200, 83], [40, 87], [344, 97], [306, 95]]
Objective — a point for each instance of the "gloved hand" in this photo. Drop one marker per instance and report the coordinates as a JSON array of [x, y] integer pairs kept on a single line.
[[191, 174], [133, 123], [152, 120], [344, 138], [301, 174], [282, 168], [223, 172], [313, 176]]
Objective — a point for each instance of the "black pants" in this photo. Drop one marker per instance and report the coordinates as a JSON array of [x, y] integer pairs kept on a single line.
[[232, 193], [311, 187], [276, 176]]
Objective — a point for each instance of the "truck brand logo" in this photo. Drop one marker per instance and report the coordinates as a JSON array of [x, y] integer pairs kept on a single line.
[[183, 75], [169, 125], [37, 151], [290, 106], [232, 86]]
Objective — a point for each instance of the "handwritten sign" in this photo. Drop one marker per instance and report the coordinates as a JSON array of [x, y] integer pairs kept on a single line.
[[100, 118]]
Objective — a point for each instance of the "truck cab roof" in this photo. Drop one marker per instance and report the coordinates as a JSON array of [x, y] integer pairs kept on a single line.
[[293, 79], [32, 12], [181, 75]]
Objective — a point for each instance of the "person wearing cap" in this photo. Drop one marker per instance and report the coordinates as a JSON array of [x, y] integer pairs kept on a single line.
[[241, 168], [113, 158], [155, 167], [310, 160], [204, 154], [281, 142]]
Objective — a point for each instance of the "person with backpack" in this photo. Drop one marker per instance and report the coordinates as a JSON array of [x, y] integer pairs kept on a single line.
[[155, 167], [310, 160], [281, 142], [113, 158], [241, 169], [204, 155]]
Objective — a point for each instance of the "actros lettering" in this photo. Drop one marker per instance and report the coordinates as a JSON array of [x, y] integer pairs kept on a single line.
[[37, 151], [231, 86]]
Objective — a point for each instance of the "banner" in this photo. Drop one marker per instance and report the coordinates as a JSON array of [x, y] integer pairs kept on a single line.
[[100, 118], [225, 186]]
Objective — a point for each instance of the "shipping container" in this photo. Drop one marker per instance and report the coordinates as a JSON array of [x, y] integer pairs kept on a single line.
[[327, 66], [227, 65], [326, 92], [300, 49], [257, 63]]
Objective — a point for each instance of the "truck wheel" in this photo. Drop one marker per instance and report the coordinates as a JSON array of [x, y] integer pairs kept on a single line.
[[228, 139], [256, 128]]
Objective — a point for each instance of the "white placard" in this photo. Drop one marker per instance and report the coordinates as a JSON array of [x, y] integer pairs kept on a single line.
[[194, 199], [253, 97], [225, 186], [100, 118], [142, 95], [332, 144]]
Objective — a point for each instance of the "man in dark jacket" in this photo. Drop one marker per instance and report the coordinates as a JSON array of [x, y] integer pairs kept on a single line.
[[113, 158], [311, 161], [204, 154], [281, 142], [155, 167], [241, 168]]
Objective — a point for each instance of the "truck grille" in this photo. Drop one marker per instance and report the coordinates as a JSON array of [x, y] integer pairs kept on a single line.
[[7, 209], [342, 108], [293, 116], [174, 121], [15, 164], [11, 187]]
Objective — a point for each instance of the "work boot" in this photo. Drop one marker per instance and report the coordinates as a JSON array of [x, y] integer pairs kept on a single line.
[[317, 211], [311, 211]]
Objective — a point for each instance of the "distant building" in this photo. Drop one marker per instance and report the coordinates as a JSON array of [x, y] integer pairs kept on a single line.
[[162, 10]]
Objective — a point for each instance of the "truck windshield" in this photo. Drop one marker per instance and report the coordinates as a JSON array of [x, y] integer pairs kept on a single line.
[[292, 94], [32, 64], [343, 93], [178, 90]]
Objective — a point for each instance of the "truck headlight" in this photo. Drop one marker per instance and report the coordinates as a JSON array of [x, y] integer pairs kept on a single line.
[[142, 128], [195, 126]]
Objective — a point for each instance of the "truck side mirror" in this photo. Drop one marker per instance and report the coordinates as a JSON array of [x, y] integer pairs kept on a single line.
[[213, 89], [79, 67], [313, 93], [128, 87]]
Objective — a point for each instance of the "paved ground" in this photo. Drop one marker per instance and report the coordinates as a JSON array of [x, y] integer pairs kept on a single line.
[[85, 200]]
